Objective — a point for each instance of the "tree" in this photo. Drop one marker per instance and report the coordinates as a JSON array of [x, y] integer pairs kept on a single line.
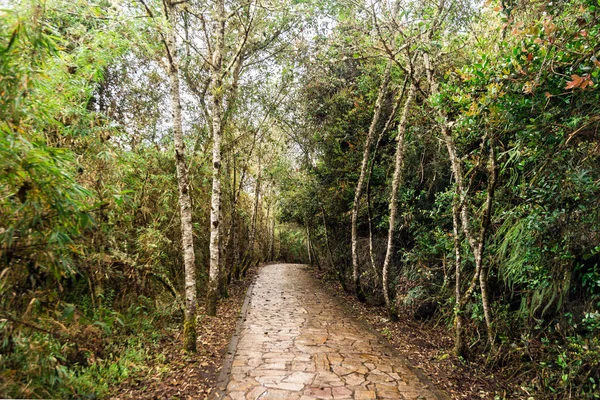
[[217, 126], [185, 207], [361, 179], [398, 166]]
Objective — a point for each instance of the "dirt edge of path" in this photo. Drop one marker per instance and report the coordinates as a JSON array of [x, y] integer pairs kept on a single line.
[[225, 373], [174, 373]]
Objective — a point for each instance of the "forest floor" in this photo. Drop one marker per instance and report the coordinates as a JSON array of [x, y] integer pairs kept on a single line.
[[173, 373], [428, 347]]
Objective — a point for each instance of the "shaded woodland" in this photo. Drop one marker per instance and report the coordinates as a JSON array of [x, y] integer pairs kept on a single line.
[[437, 158]]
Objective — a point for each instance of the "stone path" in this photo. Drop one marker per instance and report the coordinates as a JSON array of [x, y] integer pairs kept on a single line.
[[298, 343]]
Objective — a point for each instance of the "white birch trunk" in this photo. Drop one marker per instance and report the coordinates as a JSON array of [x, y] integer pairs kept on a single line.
[[361, 179], [397, 178], [185, 203], [458, 307], [217, 126], [253, 227]]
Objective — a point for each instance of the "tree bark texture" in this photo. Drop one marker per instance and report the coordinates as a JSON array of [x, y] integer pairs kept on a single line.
[[217, 127], [253, 227], [185, 203], [396, 180], [459, 345]]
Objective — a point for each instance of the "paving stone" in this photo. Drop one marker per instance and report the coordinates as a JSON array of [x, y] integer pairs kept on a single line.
[[321, 362], [319, 392], [364, 394], [237, 395], [264, 379], [354, 379], [303, 366], [255, 393], [297, 343], [291, 386], [300, 377], [241, 385], [274, 394], [341, 393]]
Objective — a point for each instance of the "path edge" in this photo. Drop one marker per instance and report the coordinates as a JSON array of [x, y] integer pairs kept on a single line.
[[347, 308], [225, 373]]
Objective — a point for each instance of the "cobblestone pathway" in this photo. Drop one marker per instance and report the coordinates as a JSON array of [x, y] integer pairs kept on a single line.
[[298, 343]]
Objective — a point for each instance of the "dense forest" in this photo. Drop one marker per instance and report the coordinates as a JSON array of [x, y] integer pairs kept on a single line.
[[437, 158]]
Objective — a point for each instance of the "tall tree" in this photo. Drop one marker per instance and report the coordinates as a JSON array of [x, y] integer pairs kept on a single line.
[[383, 89], [217, 130], [396, 180], [185, 202]]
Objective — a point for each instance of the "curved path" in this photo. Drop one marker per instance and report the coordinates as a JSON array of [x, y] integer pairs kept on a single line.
[[297, 342]]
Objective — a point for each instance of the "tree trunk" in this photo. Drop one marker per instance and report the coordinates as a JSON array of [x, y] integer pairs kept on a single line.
[[217, 127], [459, 345], [308, 245], [483, 275], [392, 115], [272, 237], [265, 250], [476, 244], [185, 203], [361, 179], [255, 211], [397, 178]]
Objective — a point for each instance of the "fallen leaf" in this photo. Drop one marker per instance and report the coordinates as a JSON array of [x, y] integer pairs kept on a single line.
[[576, 81]]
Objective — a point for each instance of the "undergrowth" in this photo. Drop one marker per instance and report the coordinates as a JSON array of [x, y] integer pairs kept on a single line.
[[77, 357]]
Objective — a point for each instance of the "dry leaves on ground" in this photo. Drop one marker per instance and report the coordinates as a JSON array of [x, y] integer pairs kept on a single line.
[[173, 373]]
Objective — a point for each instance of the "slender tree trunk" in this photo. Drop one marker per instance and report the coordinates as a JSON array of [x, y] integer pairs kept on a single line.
[[265, 249], [231, 248], [308, 245], [482, 239], [234, 248], [361, 179], [255, 211], [476, 244], [370, 218], [272, 239], [459, 345], [217, 127], [185, 203], [391, 117], [397, 178]]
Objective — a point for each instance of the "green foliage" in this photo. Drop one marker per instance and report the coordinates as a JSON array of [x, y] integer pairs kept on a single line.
[[90, 252], [572, 367], [87, 358], [89, 241], [518, 77]]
